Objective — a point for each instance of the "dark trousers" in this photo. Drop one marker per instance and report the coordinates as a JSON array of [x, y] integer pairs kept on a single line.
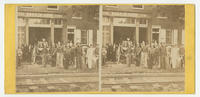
[[78, 62], [162, 62]]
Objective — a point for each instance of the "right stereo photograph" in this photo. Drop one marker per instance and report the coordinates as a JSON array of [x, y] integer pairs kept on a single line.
[[143, 48]]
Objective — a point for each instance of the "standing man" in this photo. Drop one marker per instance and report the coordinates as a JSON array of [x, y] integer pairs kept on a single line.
[[19, 57], [138, 54], [44, 52], [90, 56], [78, 56], [162, 56], [59, 56]]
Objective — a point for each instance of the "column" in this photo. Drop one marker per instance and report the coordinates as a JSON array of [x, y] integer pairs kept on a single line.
[[111, 33], [64, 31], [137, 35], [64, 38], [77, 36], [149, 31], [137, 31], [183, 37], [90, 36], [162, 36], [27, 31], [180, 35], [52, 31], [175, 36]]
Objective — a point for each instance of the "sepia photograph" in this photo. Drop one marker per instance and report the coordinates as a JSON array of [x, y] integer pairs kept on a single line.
[[100, 48], [57, 48], [143, 48]]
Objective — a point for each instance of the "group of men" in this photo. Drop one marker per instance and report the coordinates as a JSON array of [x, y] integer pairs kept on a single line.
[[145, 55], [61, 55]]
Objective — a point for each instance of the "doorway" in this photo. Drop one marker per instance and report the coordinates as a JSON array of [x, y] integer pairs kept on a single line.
[[143, 35], [57, 35], [37, 34], [122, 33], [155, 37]]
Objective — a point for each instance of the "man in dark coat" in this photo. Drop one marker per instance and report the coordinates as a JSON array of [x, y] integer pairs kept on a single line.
[[138, 54], [162, 56], [78, 56]]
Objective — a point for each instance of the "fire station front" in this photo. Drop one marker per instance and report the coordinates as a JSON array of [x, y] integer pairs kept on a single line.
[[119, 27]]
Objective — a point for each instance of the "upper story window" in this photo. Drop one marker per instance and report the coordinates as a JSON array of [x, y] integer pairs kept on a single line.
[[52, 7], [26, 6], [138, 6], [76, 15]]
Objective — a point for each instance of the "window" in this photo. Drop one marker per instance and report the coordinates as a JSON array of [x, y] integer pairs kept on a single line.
[[106, 19], [168, 36], [156, 30], [132, 21], [70, 30], [21, 21], [58, 21], [143, 21], [76, 15], [138, 6], [52, 7]]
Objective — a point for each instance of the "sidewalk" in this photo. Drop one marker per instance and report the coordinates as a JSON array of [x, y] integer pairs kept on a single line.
[[29, 69], [113, 68]]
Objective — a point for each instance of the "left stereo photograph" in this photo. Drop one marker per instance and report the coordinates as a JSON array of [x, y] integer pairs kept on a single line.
[[57, 48]]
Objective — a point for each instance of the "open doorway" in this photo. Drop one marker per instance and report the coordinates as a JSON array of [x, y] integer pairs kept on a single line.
[[143, 35], [57, 35], [122, 33], [155, 37], [36, 34]]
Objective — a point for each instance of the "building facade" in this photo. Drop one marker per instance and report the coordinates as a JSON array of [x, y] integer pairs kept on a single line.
[[138, 23], [53, 24]]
